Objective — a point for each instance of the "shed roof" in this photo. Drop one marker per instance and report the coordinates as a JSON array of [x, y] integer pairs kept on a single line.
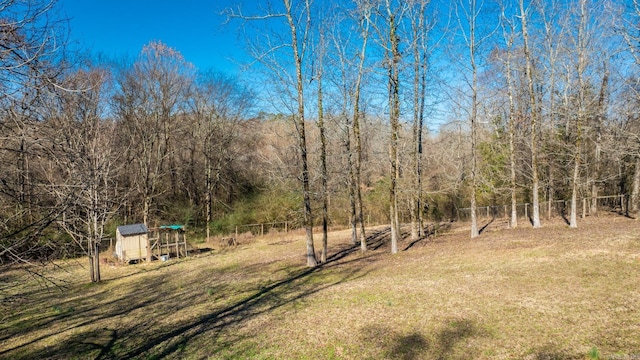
[[172, 227], [133, 229]]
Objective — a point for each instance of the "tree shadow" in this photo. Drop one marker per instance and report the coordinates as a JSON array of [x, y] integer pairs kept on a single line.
[[430, 231], [408, 347], [415, 345], [378, 238], [150, 296], [101, 340], [482, 229], [550, 352], [562, 211], [454, 332]]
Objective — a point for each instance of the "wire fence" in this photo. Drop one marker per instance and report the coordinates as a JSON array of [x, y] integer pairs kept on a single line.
[[562, 208], [263, 228]]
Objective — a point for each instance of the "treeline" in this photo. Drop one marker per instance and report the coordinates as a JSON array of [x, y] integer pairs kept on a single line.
[[375, 111]]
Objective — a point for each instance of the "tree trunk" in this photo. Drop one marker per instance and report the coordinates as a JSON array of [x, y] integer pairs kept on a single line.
[[357, 172], [302, 140], [358, 138], [208, 200], [573, 219], [145, 210], [323, 161], [473, 118], [352, 181], [419, 83], [96, 231], [394, 114], [601, 110], [96, 260], [582, 89], [512, 153], [550, 194], [534, 118], [635, 190]]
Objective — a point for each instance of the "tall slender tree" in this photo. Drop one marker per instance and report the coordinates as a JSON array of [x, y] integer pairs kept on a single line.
[[534, 113], [420, 29], [392, 60], [357, 121], [509, 34]]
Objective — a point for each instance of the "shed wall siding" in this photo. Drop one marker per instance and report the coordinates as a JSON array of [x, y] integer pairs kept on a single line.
[[131, 247]]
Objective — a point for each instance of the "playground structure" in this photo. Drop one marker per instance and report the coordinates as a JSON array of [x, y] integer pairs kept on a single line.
[[168, 241]]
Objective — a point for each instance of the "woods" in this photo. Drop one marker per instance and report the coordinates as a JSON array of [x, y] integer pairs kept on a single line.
[[376, 112]]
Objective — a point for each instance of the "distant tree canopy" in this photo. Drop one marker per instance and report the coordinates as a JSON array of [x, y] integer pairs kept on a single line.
[[424, 111]]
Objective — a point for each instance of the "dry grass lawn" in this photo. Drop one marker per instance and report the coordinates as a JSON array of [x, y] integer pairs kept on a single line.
[[549, 293]]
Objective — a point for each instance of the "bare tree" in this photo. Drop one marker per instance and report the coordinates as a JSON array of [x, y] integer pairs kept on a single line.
[[32, 48], [509, 34], [347, 53], [357, 120], [553, 38], [468, 15], [217, 106], [324, 176], [535, 114], [420, 29], [301, 125], [393, 16], [296, 16], [82, 152], [151, 97]]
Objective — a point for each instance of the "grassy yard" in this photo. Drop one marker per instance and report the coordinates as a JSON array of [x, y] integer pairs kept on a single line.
[[550, 293]]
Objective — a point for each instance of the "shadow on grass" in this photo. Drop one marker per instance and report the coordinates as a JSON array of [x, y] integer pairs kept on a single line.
[[431, 231], [415, 345], [549, 352], [482, 229], [144, 308], [376, 239], [379, 238]]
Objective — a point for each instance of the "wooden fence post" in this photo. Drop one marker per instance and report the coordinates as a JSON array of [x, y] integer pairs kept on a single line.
[[148, 249], [184, 238], [584, 207], [526, 210], [177, 245]]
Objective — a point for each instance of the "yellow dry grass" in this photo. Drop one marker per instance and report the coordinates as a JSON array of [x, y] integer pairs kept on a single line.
[[549, 293]]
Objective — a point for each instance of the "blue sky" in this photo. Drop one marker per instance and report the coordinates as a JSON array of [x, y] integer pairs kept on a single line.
[[119, 28]]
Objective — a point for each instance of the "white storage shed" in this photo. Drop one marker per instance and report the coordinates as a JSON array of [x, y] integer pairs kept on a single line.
[[132, 242]]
